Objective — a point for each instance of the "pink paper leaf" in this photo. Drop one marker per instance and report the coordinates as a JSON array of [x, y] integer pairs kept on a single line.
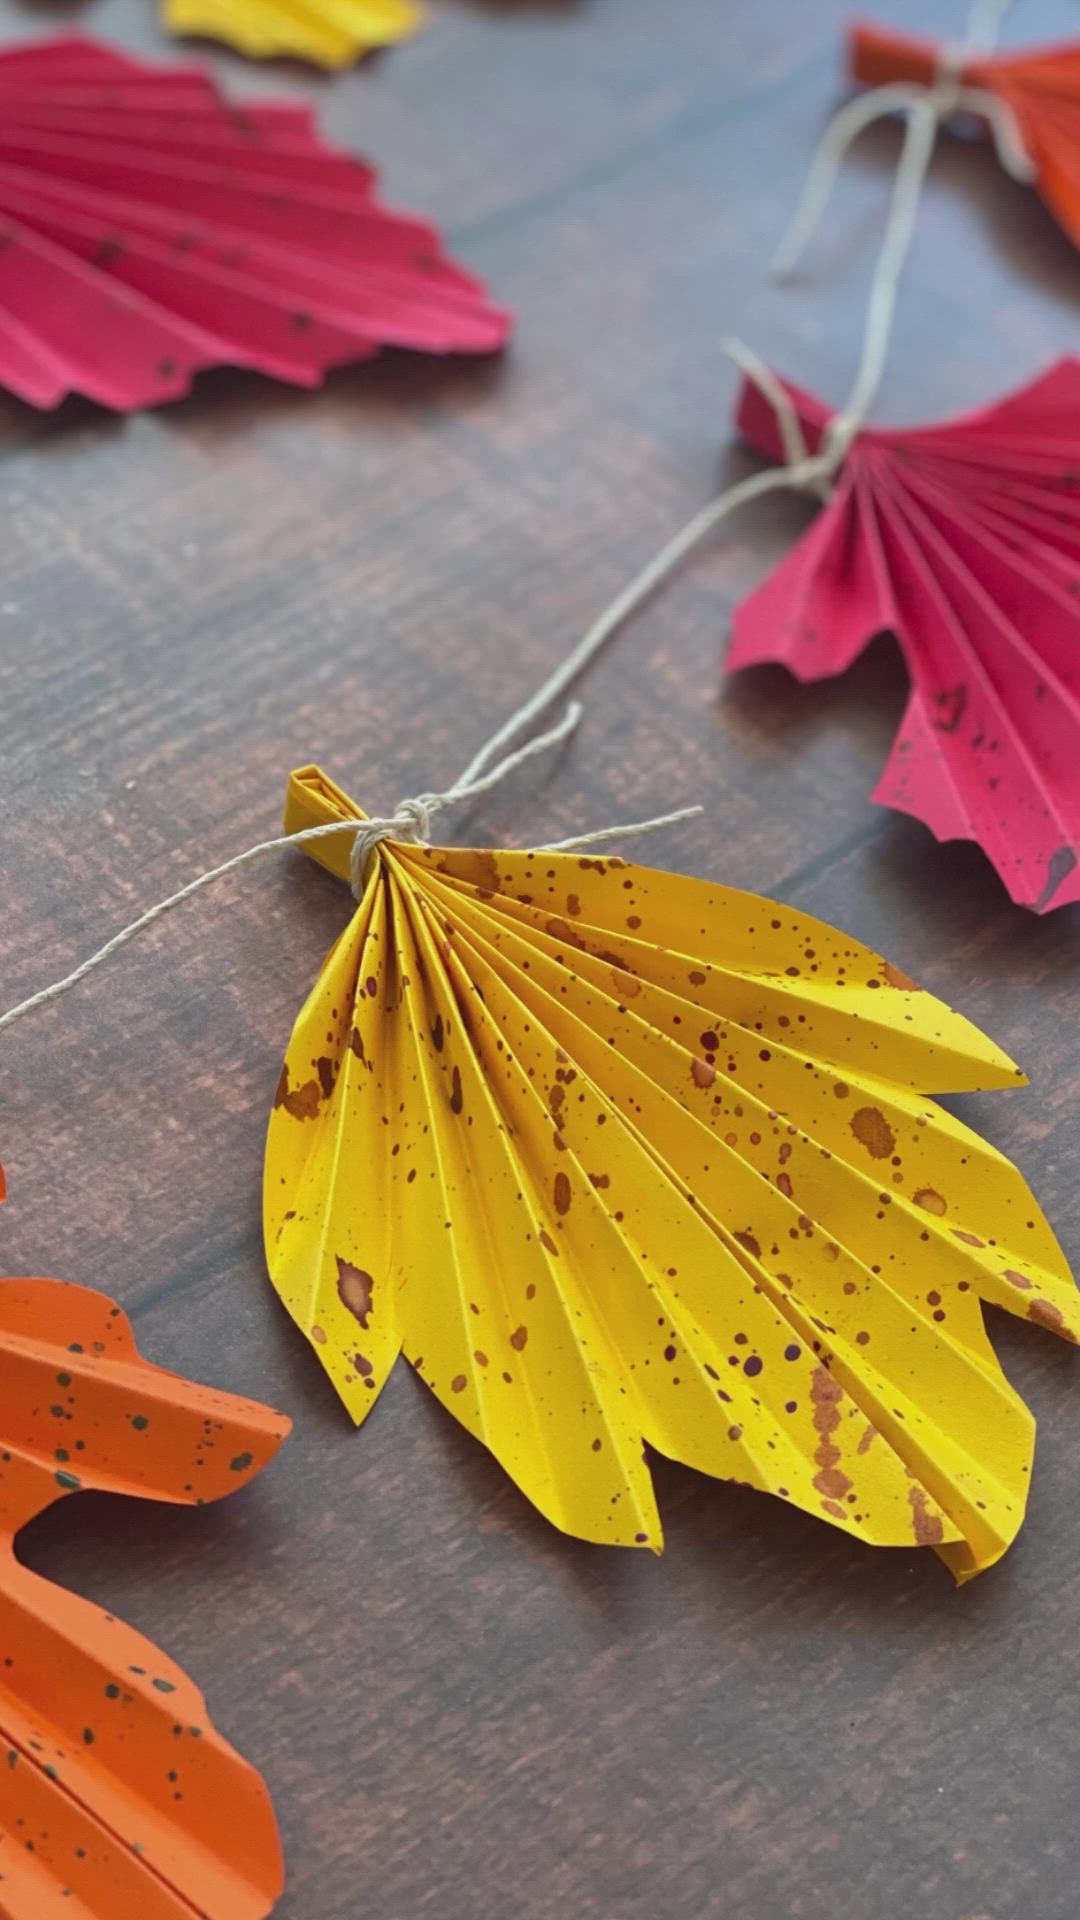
[[148, 229], [964, 541]]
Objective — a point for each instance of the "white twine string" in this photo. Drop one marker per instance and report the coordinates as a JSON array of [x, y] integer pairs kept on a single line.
[[925, 109], [411, 820], [946, 97]]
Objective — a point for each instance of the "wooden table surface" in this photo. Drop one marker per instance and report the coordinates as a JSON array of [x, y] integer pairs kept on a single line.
[[459, 1712]]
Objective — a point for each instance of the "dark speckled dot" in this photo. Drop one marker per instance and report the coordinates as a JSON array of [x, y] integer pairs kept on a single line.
[[753, 1365], [792, 1352]]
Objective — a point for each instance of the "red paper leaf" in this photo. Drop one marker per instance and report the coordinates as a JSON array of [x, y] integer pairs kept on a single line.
[[964, 541], [1042, 87], [117, 1796], [148, 229]]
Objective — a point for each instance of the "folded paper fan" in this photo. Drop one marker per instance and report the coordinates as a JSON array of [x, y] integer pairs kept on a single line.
[[1041, 87], [117, 1797], [332, 33], [616, 1156], [148, 228], [964, 541]]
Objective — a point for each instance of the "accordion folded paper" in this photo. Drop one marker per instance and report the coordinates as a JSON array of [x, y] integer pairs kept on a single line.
[[117, 1796], [150, 228], [615, 1156], [964, 541], [332, 33], [1040, 87]]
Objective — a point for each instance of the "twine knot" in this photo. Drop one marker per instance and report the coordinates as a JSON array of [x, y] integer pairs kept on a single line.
[[411, 820]]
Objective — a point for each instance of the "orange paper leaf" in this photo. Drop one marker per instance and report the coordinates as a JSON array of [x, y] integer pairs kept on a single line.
[[118, 1800], [1041, 86]]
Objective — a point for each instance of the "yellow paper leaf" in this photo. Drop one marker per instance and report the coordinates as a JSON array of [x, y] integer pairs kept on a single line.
[[332, 33], [616, 1156]]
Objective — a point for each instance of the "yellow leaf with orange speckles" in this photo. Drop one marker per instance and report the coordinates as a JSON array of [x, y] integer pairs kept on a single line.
[[617, 1157], [330, 33]]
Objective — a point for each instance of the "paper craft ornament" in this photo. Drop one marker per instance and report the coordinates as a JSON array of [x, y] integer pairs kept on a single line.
[[332, 33], [149, 228], [964, 541], [618, 1157], [1041, 88], [117, 1796]]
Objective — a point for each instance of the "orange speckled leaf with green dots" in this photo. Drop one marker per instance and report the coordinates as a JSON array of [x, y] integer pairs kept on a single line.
[[117, 1797], [618, 1157]]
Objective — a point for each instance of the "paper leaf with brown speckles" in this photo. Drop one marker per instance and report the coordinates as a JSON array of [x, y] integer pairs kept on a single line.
[[616, 1156], [117, 1796], [330, 33], [964, 541], [149, 228]]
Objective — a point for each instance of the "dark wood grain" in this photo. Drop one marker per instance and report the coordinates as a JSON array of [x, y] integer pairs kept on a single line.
[[460, 1713]]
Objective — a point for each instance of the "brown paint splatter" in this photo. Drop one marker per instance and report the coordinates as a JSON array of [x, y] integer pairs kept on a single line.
[[573, 906], [872, 1131], [303, 1102], [600, 1180], [487, 871], [363, 1366], [930, 1200], [355, 1290], [459, 1383], [327, 1072], [1046, 1314], [951, 704], [563, 1193], [703, 1073], [841, 1090], [438, 1033], [519, 1338], [1059, 866], [456, 1100], [969, 1239], [1018, 1279], [547, 1242], [356, 1043], [826, 1394], [562, 930], [318, 1334], [868, 1438], [832, 1482], [896, 977], [748, 1243], [929, 1531]]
